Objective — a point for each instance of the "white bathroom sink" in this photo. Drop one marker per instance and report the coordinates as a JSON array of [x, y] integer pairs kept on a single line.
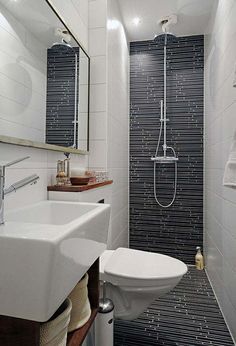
[[51, 213], [45, 249]]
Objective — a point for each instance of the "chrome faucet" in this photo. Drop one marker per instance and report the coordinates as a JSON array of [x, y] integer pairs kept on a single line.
[[32, 179]]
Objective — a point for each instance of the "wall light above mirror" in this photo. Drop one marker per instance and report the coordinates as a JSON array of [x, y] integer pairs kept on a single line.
[[44, 79]]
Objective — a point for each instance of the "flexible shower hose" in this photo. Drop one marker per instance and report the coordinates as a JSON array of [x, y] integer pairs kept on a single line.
[[176, 174], [165, 147]]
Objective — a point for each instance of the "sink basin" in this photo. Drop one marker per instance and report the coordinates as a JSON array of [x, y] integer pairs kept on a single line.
[[45, 249], [51, 213]]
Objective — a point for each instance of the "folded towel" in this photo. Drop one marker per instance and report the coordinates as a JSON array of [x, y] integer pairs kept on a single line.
[[230, 167], [234, 81], [230, 174]]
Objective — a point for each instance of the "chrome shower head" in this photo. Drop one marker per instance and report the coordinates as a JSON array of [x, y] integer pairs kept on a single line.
[[63, 43], [65, 38], [164, 38]]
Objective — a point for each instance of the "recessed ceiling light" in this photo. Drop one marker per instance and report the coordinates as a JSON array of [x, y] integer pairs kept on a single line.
[[113, 24], [136, 21]]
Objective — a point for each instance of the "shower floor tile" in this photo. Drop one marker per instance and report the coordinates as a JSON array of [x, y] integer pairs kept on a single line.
[[187, 316]]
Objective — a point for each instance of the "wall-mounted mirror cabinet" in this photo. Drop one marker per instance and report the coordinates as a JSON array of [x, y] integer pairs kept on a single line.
[[44, 79]]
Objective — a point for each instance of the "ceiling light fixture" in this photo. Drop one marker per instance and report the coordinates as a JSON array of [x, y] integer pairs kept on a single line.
[[113, 24]]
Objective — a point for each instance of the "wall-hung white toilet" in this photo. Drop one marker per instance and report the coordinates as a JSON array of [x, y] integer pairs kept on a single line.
[[136, 278]]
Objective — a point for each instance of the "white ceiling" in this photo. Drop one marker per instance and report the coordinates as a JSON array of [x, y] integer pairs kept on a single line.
[[193, 16]]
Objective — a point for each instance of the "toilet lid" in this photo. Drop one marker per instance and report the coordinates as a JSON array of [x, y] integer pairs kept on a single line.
[[136, 264]]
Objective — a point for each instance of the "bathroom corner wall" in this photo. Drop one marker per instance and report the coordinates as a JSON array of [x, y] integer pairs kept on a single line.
[[98, 86], [118, 124], [109, 108], [43, 162], [220, 125]]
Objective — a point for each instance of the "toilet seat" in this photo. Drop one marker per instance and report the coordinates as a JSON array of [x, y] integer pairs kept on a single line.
[[139, 268], [134, 279], [104, 258]]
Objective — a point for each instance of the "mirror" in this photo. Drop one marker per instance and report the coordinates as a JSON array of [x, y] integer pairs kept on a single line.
[[44, 79]]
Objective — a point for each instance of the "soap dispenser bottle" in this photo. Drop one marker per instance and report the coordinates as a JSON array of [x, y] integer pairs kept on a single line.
[[199, 262]]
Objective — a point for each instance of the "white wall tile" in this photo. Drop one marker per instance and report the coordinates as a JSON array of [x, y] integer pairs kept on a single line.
[[97, 13], [82, 9], [41, 162], [22, 81], [220, 125], [98, 69], [118, 124], [97, 41], [109, 109], [98, 97], [98, 154], [28, 79], [98, 126]]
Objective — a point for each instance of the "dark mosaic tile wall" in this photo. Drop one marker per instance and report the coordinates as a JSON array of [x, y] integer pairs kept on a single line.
[[187, 316], [177, 230], [61, 95]]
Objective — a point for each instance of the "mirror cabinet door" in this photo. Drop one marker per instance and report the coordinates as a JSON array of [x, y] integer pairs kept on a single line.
[[44, 89]]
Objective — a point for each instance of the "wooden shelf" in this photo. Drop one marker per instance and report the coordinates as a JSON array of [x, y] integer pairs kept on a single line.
[[19, 332], [77, 337], [78, 188]]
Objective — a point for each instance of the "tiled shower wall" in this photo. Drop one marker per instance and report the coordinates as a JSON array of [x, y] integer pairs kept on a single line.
[[177, 230], [61, 78]]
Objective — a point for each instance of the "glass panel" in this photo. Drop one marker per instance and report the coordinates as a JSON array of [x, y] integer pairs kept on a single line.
[[44, 77]]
